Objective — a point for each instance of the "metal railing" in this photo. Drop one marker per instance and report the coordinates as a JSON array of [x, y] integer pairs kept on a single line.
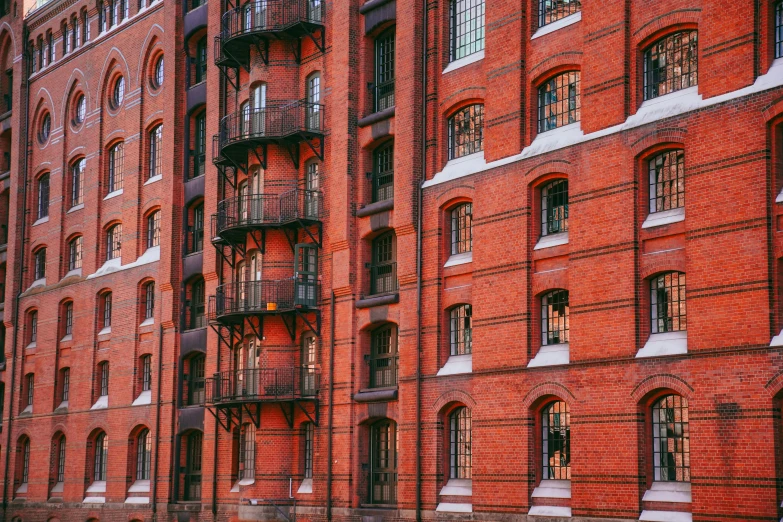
[[270, 16], [250, 297], [383, 371], [382, 185], [280, 120], [383, 278], [262, 384], [217, 155], [266, 209], [382, 96]]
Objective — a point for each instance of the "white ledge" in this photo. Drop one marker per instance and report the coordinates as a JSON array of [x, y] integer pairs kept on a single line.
[[58, 488], [44, 219], [679, 492], [68, 337], [113, 194], [143, 399], [242, 482], [657, 219], [554, 26], [37, 283], [306, 486], [553, 489], [140, 486], [153, 179], [137, 500], [115, 265], [99, 486], [28, 409], [460, 167], [551, 355], [550, 511], [77, 207], [552, 240], [75, 272], [459, 259], [450, 507], [31, 346], [457, 364], [94, 500], [148, 321], [458, 488], [102, 403], [665, 516], [777, 341], [462, 62], [105, 330], [62, 406], [668, 343], [22, 488]]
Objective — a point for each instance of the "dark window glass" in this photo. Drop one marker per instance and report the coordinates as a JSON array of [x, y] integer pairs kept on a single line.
[[466, 131], [104, 371], [43, 197], [200, 145], [146, 373], [460, 462], [201, 60], [118, 94], [462, 229], [779, 30], [667, 303], [460, 330], [80, 110], [196, 305], [75, 253], [66, 389], [40, 264], [156, 151], [101, 456], [77, 183], [159, 76], [384, 71], [383, 173], [671, 64], [552, 10], [466, 28], [308, 449], [383, 357], [25, 461], [197, 244], [554, 207], [116, 162], [143, 455], [196, 380], [556, 441], [671, 440], [247, 452], [554, 317], [383, 462], [68, 318], [153, 229], [61, 460], [107, 310], [33, 327], [667, 181], [559, 101], [149, 301], [30, 389], [383, 269], [114, 242], [193, 466]]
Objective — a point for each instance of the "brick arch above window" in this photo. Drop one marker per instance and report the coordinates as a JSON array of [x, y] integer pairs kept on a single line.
[[548, 389], [662, 382], [657, 139], [555, 167], [673, 22], [451, 399]]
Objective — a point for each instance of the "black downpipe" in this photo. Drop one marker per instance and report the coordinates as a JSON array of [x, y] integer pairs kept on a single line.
[[331, 415], [157, 428], [20, 266]]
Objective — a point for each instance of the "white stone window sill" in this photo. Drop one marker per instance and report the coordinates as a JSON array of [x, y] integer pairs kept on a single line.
[[457, 364], [28, 409], [37, 283], [143, 399], [99, 486], [462, 62], [77, 207], [63, 406], [74, 272], [551, 355], [148, 322], [679, 492], [666, 217], [22, 488], [463, 166], [554, 26], [94, 500], [140, 486], [65, 338], [151, 255], [113, 194], [31, 346], [665, 516], [450, 507], [306, 486], [550, 511], [101, 404], [242, 482], [459, 259], [777, 341], [552, 240], [660, 344], [153, 179], [553, 489], [458, 488], [105, 331], [58, 488], [44, 219], [137, 500]]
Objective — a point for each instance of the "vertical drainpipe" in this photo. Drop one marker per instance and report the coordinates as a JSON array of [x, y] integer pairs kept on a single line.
[[330, 414], [157, 428], [20, 267]]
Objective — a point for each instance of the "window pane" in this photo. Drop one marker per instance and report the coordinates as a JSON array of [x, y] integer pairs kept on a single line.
[[553, 10], [556, 441], [667, 303], [467, 27], [460, 330], [462, 229], [554, 207], [466, 131], [671, 64], [667, 181], [460, 444], [559, 101], [671, 439], [554, 317]]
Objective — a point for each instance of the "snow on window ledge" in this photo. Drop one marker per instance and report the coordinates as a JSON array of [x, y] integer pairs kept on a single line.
[[459, 259], [458, 488], [666, 217], [552, 240], [148, 321], [668, 343], [44, 219], [143, 399], [151, 255], [462, 62], [37, 283], [153, 179], [76, 272], [450, 507], [554, 26], [77, 207], [679, 492], [460, 167], [665, 516], [550, 511], [105, 331], [101, 404], [551, 355], [549, 488], [113, 194], [457, 364], [140, 486], [306, 486]]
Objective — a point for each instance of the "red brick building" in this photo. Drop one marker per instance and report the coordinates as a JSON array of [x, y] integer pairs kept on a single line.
[[391, 260]]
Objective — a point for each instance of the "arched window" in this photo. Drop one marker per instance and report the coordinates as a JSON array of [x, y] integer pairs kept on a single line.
[[60, 460], [667, 181], [29, 385], [384, 71], [383, 269], [247, 452], [671, 64], [559, 101], [460, 329], [552, 10], [667, 303], [39, 271], [466, 131], [114, 242], [101, 457], [671, 439], [158, 73], [118, 92], [466, 28], [554, 317], [199, 144], [196, 229], [195, 380], [103, 383], [460, 451], [313, 96], [106, 301], [66, 39], [383, 357], [75, 34], [77, 179], [193, 451], [43, 196], [143, 455], [556, 441], [384, 446], [146, 372], [85, 27], [75, 253], [308, 432], [116, 162], [195, 304], [33, 327], [68, 320], [153, 229], [554, 207], [312, 194], [149, 300], [201, 60], [24, 467], [383, 172], [156, 151], [462, 229], [65, 384]]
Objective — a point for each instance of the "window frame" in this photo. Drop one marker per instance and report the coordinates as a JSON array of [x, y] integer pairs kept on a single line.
[[118, 92], [103, 379], [383, 358], [146, 372], [143, 454], [68, 321], [549, 322], [562, 91], [668, 193], [554, 207], [106, 300], [65, 386], [383, 172], [460, 443], [652, 89], [555, 409], [153, 229], [461, 321], [660, 310], [465, 128], [115, 167], [155, 167], [39, 268], [43, 187], [660, 433], [247, 452], [462, 228], [77, 182], [149, 300], [114, 242], [383, 70], [100, 457], [75, 253], [462, 43]]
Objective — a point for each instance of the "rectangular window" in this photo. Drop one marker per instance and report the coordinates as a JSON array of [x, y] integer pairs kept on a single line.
[[308, 450], [247, 452], [384, 71], [667, 181], [462, 229], [200, 145], [667, 303], [383, 357], [66, 376], [107, 311], [85, 28], [149, 301], [554, 207], [671, 64], [153, 229], [104, 391], [33, 327], [559, 102], [101, 454], [66, 41], [25, 461], [383, 173], [196, 381], [198, 229], [30, 389], [552, 10], [43, 197], [156, 151], [460, 442], [116, 161], [146, 373], [143, 455], [75, 254], [461, 330], [40, 264], [201, 61], [77, 183], [69, 319], [466, 28], [466, 131], [61, 461]]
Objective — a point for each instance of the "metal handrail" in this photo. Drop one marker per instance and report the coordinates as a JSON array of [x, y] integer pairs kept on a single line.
[[248, 297], [269, 16], [263, 384], [267, 209], [277, 120]]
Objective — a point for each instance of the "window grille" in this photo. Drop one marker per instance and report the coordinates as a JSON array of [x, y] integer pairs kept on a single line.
[[671, 64], [384, 446], [552, 10], [77, 179], [383, 269], [40, 264], [61, 460], [779, 30], [667, 181], [671, 439], [159, 72], [466, 131], [554, 317], [466, 28], [200, 146], [50, 48], [146, 373], [196, 305], [104, 384], [85, 28], [559, 101], [247, 452], [196, 381], [193, 466], [66, 384], [149, 301], [69, 318], [66, 41], [308, 450], [43, 197], [116, 162], [75, 34], [667, 303], [153, 229], [143, 455], [30, 389], [556, 441], [197, 244], [25, 461], [383, 357], [462, 229], [460, 448], [156, 151], [75, 253], [384, 72], [101, 457], [461, 330], [114, 242], [33, 327], [554, 207], [107, 310], [383, 174]]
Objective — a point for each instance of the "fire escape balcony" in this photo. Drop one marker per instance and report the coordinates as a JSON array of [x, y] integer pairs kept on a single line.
[[234, 302]]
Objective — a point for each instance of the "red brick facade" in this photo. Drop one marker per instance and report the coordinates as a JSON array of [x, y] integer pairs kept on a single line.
[[391, 260]]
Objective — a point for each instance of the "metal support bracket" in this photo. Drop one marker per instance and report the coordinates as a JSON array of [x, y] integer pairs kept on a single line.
[[318, 151], [258, 329], [290, 327], [316, 329], [316, 240], [255, 418], [314, 417], [289, 415]]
